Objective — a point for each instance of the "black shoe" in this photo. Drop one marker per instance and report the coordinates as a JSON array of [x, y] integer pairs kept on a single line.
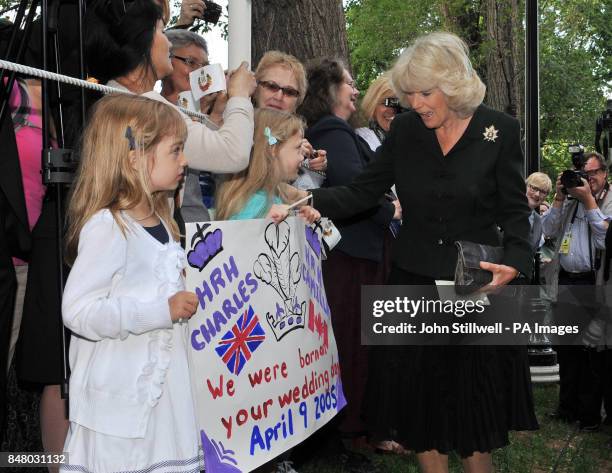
[[563, 416], [589, 427]]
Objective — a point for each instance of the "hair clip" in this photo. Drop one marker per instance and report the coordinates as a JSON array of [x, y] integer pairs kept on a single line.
[[130, 137], [271, 138]]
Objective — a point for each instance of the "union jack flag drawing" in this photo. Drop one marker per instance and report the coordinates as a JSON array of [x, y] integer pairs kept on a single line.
[[238, 344]]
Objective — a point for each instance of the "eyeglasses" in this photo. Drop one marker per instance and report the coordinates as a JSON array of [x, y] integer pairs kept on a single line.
[[593, 172], [190, 61], [538, 190], [351, 83], [274, 87]]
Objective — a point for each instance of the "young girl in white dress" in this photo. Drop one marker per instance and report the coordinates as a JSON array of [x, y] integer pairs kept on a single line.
[[131, 406]]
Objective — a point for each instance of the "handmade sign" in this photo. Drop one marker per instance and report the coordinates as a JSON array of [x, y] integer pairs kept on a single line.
[[264, 363], [207, 80]]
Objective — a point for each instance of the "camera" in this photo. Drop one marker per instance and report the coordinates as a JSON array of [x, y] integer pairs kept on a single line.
[[212, 12], [571, 178], [394, 103], [577, 152]]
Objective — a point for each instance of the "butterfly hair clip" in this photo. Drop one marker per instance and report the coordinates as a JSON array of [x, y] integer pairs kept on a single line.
[[271, 138]]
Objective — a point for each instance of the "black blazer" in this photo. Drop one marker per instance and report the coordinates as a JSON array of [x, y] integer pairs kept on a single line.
[[347, 157], [464, 195]]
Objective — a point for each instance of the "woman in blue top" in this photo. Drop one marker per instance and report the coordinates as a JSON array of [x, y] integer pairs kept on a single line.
[[261, 190]]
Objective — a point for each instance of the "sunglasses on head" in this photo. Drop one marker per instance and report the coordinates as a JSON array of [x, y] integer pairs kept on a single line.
[[274, 87]]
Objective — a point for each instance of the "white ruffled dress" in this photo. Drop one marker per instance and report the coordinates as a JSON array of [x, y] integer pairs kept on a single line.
[[145, 375]]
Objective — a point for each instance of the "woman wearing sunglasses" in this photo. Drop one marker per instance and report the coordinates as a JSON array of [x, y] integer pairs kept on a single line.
[[378, 108], [281, 84]]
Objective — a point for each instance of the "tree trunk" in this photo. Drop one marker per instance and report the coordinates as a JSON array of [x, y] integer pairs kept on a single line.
[[304, 28], [505, 59]]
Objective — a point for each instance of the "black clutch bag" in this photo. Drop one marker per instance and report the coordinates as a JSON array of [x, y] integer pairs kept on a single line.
[[469, 277]]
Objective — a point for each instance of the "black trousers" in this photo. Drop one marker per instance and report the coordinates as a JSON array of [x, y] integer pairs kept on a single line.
[[581, 370]]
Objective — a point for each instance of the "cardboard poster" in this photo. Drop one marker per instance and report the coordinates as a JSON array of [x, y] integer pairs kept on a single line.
[[264, 362]]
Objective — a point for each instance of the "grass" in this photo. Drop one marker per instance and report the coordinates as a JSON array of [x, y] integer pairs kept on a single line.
[[555, 448]]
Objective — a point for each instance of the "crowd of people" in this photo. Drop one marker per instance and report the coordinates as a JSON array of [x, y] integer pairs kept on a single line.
[[428, 164]]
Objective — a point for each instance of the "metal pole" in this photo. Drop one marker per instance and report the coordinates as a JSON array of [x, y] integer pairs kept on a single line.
[[239, 32], [532, 85]]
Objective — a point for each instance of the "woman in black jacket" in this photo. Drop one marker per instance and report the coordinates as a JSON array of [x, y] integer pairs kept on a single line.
[[356, 260], [457, 169]]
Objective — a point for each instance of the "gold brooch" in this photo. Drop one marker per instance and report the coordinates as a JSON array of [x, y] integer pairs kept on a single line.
[[490, 133]]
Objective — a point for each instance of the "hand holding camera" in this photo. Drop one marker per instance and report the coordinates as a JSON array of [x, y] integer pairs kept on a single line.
[[190, 10], [203, 9], [571, 178]]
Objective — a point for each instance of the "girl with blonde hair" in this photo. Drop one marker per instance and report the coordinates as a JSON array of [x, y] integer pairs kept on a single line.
[[261, 190], [131, 407]]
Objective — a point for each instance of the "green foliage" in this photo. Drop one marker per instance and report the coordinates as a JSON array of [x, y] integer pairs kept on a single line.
[[575, 56], [575, 67], [378, 30]]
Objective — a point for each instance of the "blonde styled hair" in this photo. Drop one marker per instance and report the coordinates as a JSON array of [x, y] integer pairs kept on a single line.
[[263, 172], [379, 88], [107, 177], [439, 60], [540, 180], [278, 58]]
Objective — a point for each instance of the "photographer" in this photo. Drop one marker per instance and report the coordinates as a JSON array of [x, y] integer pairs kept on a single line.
[[579, 220]]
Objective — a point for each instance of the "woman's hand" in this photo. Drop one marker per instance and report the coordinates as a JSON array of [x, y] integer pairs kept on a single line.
[[190, 10], [241, 82], [307, 148], [559, 194], [214, 106], [397, 215], [502, 275], [207, 102], [278, 213], [183, 305], [309, 214], [320, 162]]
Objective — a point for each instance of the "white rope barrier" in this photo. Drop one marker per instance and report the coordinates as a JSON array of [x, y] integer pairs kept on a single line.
[[31, 71]]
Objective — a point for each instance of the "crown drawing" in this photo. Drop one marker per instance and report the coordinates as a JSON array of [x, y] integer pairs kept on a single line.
[[209, 246], [280, 269]]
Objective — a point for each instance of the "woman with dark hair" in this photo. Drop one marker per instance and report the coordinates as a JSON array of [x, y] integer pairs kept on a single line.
[[128, 50], [356, 260]]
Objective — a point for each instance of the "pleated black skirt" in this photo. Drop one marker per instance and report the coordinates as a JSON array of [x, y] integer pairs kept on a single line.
[[448, 398]]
